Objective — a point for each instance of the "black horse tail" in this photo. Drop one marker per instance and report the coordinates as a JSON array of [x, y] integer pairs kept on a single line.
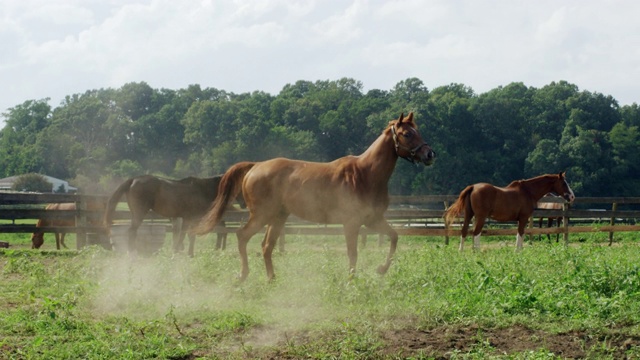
[[113, 201], [229, 189], [459, 206]]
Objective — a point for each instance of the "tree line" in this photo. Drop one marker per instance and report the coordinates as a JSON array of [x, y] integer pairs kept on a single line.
[[100, 137]]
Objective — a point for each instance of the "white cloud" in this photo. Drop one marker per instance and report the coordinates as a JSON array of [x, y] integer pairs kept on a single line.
[[53, 48]]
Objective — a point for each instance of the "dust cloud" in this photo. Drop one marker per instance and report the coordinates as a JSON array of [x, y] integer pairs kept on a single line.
[[146, 288]]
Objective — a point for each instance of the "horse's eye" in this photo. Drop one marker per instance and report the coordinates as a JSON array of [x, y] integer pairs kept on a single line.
[[407, 134]]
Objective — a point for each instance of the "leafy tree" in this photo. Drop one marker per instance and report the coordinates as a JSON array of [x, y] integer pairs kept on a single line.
[[545, 158], [510, 132], [449, 127], [32, 182], [18, 153], [625, 142]]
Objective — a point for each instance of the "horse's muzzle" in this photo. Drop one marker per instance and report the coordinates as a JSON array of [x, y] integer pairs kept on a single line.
[[429, 158], [569, 197]]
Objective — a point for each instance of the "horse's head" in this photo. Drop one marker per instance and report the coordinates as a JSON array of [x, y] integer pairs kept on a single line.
[[408, 141], [561, 188], [37, 239]]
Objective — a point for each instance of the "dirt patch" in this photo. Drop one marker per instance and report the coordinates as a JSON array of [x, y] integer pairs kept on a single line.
[[448, 341], [443, 342]]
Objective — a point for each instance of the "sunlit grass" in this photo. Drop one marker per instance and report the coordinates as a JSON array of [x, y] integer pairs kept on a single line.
[[111, 305]]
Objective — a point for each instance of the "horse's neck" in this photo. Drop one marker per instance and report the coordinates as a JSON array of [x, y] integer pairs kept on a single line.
[[379, 160], [538, 187]]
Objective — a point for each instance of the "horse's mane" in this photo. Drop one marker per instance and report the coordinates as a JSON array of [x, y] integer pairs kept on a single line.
[[514, 183]]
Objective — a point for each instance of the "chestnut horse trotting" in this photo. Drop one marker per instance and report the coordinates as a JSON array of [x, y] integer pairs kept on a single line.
[[351, 191], [37, 238], [188, 198], [512, 203]]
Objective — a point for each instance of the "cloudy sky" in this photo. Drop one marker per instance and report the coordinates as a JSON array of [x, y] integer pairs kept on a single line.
[[54, 48]]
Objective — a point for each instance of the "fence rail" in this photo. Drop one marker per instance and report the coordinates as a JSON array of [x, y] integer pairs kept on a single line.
[[409, 215]]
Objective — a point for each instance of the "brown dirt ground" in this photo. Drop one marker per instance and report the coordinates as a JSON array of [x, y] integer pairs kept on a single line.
[[444, 342]]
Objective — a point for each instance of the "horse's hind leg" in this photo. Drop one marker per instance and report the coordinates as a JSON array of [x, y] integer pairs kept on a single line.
[[465, 229], [177, 234], [270, 240], [59, 240], [221, 239], [477, 231], [522, 223], [244, 234]]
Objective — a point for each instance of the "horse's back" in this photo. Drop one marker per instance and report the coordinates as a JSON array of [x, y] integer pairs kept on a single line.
[[549, 205], [318, 192], [500, 203], [187, 198], [61, 206]]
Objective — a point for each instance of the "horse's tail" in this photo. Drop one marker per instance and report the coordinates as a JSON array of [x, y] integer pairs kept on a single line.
[[229, 188], [113, 201], [457, 207]]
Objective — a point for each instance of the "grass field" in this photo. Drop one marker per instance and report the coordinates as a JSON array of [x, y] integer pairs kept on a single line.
[[546, 302]]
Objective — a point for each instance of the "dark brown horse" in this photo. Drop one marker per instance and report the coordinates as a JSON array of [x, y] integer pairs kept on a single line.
[[188, 198], [351, 190], [550, 219], [37, 238], [512, 203]]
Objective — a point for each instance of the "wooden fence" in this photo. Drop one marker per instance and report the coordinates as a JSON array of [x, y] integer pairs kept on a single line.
[[409, 215]]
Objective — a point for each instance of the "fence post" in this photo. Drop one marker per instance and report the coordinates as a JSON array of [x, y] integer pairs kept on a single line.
[[81, 223], [565, 223], [446, 227], [614, 207]]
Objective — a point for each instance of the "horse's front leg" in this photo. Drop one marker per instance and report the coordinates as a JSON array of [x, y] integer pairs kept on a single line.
[[192, 242], [351, 236], [221, 239], [62, 235]]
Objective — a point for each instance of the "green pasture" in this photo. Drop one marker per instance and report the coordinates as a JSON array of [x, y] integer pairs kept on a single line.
[[98, 304]]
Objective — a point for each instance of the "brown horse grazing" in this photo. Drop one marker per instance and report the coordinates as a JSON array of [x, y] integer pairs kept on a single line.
[[550, 219], [512, 203], [351, 191], [188, 198], [37, 238]]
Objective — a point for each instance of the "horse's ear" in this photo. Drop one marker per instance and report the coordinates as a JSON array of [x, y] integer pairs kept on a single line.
[[409, 117], [400, 118], [562, 174]]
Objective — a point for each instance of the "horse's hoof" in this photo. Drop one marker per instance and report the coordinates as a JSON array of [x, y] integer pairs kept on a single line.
[[382, 269]]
